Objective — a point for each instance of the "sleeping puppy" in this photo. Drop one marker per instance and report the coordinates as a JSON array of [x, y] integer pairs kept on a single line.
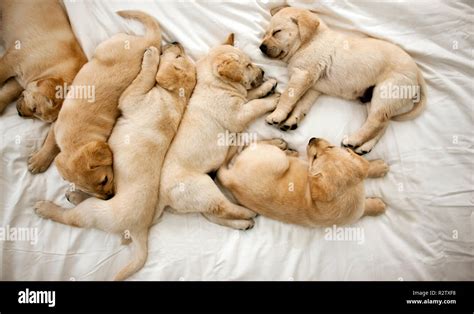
[[79, 136], [225, 100], [322, 61], [150, 117], [41, 57], [327, 189]]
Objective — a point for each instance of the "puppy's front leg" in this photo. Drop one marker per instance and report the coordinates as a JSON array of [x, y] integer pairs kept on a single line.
[[42, 159], [146, 79], [263, 90], [10, 91], [300, 82], [377, 168], [301, 109], [257, 107]]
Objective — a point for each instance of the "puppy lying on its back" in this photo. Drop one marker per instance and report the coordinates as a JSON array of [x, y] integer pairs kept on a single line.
[[323, 61], [42, 56], [79, 137], [327, 189], [150, 117]]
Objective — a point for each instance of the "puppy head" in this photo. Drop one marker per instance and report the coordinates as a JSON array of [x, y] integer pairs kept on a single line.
[[176, 72], [41, 100], [90, 169], [232, 65], [333, 170], [289, 29]]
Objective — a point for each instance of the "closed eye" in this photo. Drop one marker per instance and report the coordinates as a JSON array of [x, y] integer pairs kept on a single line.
[[104, 181], [276, 32]]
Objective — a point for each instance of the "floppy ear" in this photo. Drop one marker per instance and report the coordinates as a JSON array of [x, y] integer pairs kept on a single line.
[[336, 179], [323, 188], [277, 9], [97, 154], [51, 87], [228, 66], [307, 24], [229, 40], [174, 77]]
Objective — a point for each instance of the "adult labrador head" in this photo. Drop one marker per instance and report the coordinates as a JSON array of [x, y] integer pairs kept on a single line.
[[41, 99], [232, 65], [333, 170], [289, 29], [177, 72], [90, 169]]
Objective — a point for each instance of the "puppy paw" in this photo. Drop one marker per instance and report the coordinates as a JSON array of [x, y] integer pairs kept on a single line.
[[276, 117], [378, 168], [242, 224], [38, 162], [278, 142], [350, 141], [374, 206], [46, 209], [76, 197], [151, 57], [365, 148], [269, 86]]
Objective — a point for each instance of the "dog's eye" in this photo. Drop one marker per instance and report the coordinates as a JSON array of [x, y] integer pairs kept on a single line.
[[276, 32], [33, 109], [104, 181]]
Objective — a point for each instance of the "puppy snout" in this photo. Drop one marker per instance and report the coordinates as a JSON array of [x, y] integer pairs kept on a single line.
[[109, 195], [19, 113], [264, 48], [314, 140]]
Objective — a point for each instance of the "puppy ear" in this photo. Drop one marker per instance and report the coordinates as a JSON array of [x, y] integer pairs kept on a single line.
[[174, 77], [277, 9], [307, 24], [337, 178], [323, 188], [228, 67], [97, 154], [229, 40], [53, 89]]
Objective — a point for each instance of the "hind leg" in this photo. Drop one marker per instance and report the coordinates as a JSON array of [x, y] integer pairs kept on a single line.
[[382, 108], [92, 213], [200, 194], [10, 91]]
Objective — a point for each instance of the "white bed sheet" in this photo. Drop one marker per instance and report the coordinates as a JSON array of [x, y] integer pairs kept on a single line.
[[426, 233]]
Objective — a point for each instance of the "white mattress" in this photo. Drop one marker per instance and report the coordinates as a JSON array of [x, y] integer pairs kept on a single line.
[[426, 233]]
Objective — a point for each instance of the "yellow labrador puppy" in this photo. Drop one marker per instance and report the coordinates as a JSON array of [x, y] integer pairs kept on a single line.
[[326, 189], [150, 117], [79, 136], [323, 61], [42, 57], [224, 100]]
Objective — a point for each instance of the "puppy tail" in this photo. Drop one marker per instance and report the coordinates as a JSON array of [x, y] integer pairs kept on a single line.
[[419, 106], [139, 247], [153, 29]]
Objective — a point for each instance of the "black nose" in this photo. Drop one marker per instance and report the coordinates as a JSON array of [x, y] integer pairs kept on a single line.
[[263, 73], [263, 48], [313, 140], [20, 114]]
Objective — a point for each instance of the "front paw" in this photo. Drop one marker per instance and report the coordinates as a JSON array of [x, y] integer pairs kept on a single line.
[[46, 209], [276, 117], [269, 86], [37, 162], [350, 141], [151, 56], [378, 168]]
